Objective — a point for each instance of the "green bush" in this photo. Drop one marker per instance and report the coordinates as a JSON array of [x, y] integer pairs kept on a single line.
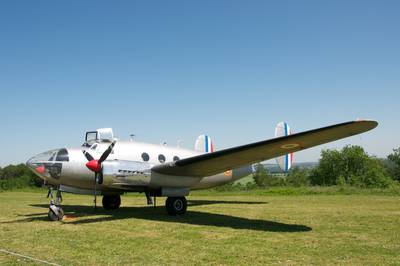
[[394, 164], [263, 178], [350, 166], [298, 177], [341, 181], [374, 176], [261, 175], [17, 177], [275, 181]]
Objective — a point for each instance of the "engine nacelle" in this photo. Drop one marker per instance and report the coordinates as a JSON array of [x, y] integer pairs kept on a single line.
[[130, 173]]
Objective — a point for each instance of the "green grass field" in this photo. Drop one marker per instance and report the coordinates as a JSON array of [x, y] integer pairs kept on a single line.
[[217, 229]]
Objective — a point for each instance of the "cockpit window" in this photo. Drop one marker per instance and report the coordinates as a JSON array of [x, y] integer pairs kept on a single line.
[[45, 156], [48, 157], [62, 156], [52, 156], [91, 136]]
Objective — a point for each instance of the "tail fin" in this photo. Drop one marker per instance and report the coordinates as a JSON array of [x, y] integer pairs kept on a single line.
[[285, 162], [204, 144]]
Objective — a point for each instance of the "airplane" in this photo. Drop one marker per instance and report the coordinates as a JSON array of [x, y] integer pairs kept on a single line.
[[106, 166]]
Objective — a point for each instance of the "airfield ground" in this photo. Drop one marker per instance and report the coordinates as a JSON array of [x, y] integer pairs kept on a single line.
[[217, 229]]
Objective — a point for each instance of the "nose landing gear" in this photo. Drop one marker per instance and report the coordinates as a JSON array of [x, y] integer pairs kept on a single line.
[[56, 213]]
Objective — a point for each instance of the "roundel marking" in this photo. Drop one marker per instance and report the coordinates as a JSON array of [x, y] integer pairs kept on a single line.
[[228, 173], [290, 146]]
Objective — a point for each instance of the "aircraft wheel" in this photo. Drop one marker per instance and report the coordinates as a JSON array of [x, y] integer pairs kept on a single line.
[[111, 202], [55, 215], [176, 205]]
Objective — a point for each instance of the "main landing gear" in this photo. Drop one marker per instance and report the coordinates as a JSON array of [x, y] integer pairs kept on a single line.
[[111, 202], [56, 213], [149, 198], [173, 205], [176, 205]]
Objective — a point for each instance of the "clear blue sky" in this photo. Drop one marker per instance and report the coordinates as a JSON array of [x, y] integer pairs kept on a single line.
[[168, 70]]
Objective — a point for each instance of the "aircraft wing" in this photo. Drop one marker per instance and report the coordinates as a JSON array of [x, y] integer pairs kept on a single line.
[[227, 159]]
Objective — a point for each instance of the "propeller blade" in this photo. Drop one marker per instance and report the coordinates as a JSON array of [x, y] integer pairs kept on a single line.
[[95, 190], [88, 156], [107, 152], [100, 178]]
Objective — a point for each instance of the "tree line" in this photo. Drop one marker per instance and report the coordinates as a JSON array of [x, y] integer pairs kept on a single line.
[[18, 176], [349, 166]]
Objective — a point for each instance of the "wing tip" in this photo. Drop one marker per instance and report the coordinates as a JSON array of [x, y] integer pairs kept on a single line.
[[368, 123]]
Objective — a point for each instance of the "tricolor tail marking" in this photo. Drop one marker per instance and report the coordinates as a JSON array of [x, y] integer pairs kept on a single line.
[[204, 144], [285, 162]]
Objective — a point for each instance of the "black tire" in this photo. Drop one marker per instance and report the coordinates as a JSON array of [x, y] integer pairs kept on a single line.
[[176, 205], [111, 202]]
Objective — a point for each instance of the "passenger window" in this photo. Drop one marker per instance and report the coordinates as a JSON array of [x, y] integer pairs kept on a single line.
[[176, 158], [161, 158], [145, 157]]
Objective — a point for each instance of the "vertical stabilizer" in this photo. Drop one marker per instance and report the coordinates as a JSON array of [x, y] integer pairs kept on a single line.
[[204, 144], [282, 129]]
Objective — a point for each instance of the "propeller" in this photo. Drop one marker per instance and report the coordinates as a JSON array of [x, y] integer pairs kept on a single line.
[[95, 166]]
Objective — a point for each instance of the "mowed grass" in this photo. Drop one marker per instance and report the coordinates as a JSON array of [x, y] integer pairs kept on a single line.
[[217, 229]]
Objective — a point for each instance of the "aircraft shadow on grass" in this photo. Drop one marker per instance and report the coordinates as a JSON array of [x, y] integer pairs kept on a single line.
[[87, 214], [209, 202]]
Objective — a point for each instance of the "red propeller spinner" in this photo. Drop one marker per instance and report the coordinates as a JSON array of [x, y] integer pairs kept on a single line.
[[95, 165]]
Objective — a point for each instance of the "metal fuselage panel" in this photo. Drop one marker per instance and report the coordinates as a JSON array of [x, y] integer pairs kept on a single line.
[[126, 169]]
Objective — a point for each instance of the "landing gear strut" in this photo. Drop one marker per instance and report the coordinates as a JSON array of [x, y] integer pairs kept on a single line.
[[149, 199], [56, 213], [176, 205], [111, 202]]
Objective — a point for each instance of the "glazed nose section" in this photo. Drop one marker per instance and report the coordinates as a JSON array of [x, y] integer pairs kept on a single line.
[[35, 166], [49, 163], [37, 162]]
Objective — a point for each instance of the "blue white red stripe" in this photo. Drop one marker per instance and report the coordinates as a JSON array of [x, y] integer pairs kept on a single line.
[[285, 161], [204, 144], [208, 145]]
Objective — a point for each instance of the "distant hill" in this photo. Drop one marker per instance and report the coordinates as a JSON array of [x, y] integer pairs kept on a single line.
[[274, 168]]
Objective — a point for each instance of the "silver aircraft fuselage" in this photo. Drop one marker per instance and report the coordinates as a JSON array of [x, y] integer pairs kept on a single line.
[[128, 168]]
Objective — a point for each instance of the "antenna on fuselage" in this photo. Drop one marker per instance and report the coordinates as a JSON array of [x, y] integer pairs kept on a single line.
[[132, 137]]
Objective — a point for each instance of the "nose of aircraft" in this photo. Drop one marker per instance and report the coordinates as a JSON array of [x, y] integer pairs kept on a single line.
[[49, 163]]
